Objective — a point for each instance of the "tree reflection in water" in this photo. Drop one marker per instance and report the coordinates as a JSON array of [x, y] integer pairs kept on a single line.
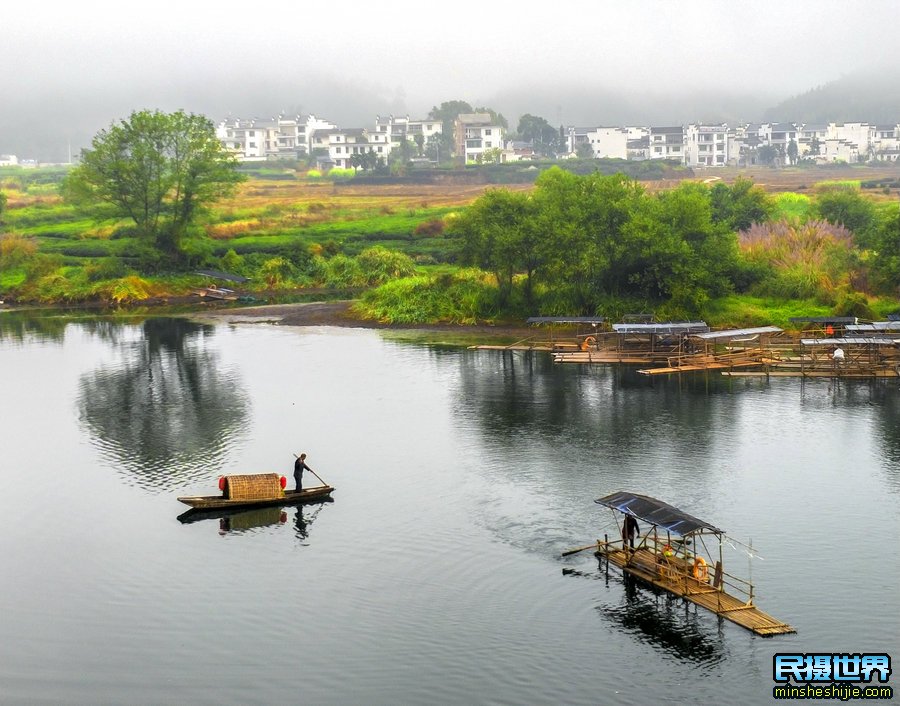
[[166, 411]]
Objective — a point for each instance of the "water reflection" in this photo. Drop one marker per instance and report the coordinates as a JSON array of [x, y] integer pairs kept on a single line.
[[660, 620], [303, 521], [165, 411], [22, 326], [878, 399], [523, 398]]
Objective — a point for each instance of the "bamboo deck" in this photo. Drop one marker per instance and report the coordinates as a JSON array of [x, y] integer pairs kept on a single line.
[[642, 564]]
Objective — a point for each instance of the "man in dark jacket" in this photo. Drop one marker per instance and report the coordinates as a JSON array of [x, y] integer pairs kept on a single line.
[[299, 467], [630, 530]]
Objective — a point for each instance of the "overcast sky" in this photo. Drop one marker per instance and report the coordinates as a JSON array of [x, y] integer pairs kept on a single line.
[[90, 62]]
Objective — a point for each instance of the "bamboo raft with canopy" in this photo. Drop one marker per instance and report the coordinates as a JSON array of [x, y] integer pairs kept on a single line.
[[673, 556], [256, 490], [635, 343]]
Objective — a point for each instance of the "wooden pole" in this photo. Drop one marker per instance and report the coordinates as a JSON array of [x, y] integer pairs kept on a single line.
[[314, 473]]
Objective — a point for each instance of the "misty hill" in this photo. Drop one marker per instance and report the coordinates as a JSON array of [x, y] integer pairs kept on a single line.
[[873, 96], [587, 105]]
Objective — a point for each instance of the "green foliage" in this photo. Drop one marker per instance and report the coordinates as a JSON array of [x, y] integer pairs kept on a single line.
[[740, 205], [789, 206], [809, 261], [276, 272], [379, 265], [161, 171], [232, 262], [739, 311], [584, 151], [342, 272], [2, 203], [854, 304], [464, 297], [106, 269], [341, 174], [313, 175], [885, 259], [540, 133], [844, 205], [15, 250]]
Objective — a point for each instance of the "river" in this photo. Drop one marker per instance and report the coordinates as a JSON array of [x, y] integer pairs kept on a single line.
[[435, 576]]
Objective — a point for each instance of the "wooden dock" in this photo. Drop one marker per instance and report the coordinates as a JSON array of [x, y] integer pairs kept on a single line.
[[671, 575]]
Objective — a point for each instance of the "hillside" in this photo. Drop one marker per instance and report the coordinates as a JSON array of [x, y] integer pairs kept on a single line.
[[873, 96]]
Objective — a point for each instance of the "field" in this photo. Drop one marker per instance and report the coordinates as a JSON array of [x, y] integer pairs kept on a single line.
[[269, 230]]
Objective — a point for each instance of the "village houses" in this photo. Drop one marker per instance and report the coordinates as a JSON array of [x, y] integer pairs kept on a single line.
[[478, 136]]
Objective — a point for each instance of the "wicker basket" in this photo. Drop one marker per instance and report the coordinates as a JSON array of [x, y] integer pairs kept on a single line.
[[260, 486]]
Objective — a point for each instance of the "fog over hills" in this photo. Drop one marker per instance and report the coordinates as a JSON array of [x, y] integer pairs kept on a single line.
[[872, 96], [70, 69]]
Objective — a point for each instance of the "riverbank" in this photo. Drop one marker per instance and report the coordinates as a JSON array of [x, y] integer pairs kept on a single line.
[[340, 313]]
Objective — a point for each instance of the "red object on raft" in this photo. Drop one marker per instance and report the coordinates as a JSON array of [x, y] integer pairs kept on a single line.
[[283, 482], [221, 482]]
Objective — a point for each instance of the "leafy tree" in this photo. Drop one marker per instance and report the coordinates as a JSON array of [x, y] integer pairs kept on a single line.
[[584, 151], [539, 132], [499, 235], [792, 151], [447, 112], [439, 145], [885, 263], [490, 156], [739, 205], [767, 154], [496, 117], [846, 206], [160, 170], [815, 146]]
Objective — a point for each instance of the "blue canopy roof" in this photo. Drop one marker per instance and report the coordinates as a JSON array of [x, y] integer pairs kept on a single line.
[[656, 512]]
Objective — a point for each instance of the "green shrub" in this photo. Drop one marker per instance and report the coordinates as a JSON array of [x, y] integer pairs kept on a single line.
[[15, 250], [276, 272], [105, 269], [341, 272], [463, 297], [378, 265], [853, 304]]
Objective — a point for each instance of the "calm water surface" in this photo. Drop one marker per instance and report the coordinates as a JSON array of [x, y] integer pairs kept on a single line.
[[434, 576]]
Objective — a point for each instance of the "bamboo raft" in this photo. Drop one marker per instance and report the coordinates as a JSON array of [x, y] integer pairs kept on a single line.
[[674, 577], [669, 558]]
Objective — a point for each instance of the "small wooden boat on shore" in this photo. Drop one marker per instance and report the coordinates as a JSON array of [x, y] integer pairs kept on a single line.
[[258, 490]]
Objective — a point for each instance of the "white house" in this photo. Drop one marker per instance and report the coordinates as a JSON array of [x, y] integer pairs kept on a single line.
[[474, 134], [8, 160], [887, 143], [609, 142], [706, 145], [667, 143]]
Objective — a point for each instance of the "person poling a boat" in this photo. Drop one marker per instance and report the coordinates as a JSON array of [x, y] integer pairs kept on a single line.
[[299, 467], [630, 530]]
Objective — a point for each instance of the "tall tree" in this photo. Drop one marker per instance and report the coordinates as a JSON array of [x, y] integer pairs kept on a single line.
[[539, 132], [740, 205], [846, 206], [447, 112], [161, 170], [792, 151], [498, 234]]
